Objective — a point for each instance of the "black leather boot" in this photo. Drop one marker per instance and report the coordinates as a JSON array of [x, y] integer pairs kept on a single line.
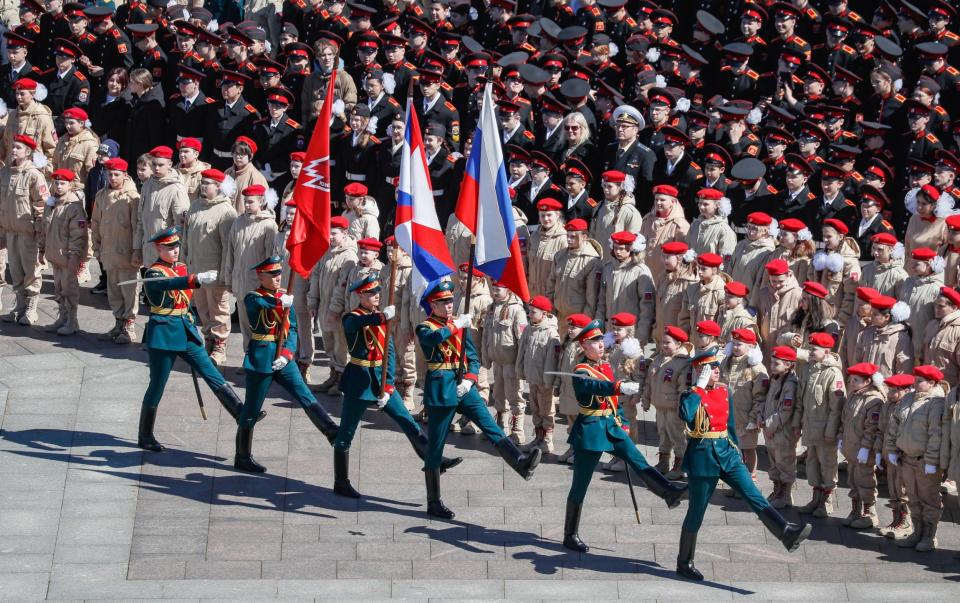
[[419, 444], [521, 462], [322, 421], [231, 402], [789, 533], [688, 546], [671, 492], [435, 506], [341, 474], [145, 439], [571, 525], [243, 460]]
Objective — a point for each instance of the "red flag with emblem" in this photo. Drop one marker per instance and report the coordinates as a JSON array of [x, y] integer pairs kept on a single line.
[[310, 232]]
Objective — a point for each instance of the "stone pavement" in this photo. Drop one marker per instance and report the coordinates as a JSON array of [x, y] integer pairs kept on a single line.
[[84, 514]]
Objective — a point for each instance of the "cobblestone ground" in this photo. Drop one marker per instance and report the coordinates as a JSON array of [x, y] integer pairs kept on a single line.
[[84, 514]]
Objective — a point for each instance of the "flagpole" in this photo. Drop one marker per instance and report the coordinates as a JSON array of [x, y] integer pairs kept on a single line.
[[386, 324]]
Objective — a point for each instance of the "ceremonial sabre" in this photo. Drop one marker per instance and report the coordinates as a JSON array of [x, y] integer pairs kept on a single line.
[[196, 386], [147, 279]]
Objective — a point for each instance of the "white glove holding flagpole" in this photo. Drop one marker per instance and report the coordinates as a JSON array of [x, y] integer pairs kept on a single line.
[[205, 278]]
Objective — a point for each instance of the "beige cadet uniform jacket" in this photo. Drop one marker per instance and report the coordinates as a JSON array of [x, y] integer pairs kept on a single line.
[[702, 302], [503, 325], [249, 175], [114, 224], [575, 278], [66, 232], [800, 265], [890, 348], [822, 391], [77, 154], [886, 278], [191, 178], [364, 224], [315, 86], [627, 287], [569, 356], [921, 233], [35, 121], [615, 216], [842, 286], [941, 346], [324, 279], [671, 289], [861, 421], [23, 195], [748, 259], [206, 235], [776, 312], [919, 294], [163, 203], [665, 377], [916, 426], [712, 235], [950, 435], [458, 242], [738, 318], [343, 300], [539, 353], [543, 246], [747, 382], [780, 414], [658, 231], [252, 239], [951, 265], [880, 444]]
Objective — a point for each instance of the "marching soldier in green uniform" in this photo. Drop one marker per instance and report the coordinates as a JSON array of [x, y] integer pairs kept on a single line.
[[268, 310], [712, 454], [172, 331], [600, 428], [442, 338], [365, 330]]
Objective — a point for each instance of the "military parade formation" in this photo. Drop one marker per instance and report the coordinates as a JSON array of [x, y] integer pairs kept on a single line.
[[743, 215]]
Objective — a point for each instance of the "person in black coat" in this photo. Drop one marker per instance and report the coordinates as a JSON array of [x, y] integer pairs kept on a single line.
[[110, 106], [872, 202], [796, 200], [630, 156], [146, 125]]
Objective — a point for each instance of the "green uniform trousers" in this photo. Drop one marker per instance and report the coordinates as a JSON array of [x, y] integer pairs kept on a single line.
[[585, 461], [353, 411], [259, 383], [700, 490], [439, 419], [161, 363]]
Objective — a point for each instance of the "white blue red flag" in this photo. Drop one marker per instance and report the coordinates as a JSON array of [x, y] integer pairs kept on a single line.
[[484, 206], [417, 228]]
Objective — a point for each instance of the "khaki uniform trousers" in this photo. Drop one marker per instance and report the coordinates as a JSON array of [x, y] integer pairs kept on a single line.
[[406, 350], [335, 345], [543, 406], [305, 347], [213, 307], [926, 502], [22, 253], [895, 487], [671, 430], [66, 287], [506, 389], [782, 451], [862, 480], [123, 299], [822, 465]]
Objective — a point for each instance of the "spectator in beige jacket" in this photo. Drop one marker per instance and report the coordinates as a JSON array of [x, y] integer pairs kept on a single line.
[[242, 171], [190, 167], [543, 245], [626, 284], [503, 323], [64, 245], [710, 232], [537, 355], [163, 203]]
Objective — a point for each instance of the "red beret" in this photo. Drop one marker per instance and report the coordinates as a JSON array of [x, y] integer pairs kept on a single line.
[[162, 152], [928, 372], [549, 205], [821, 340], [952, 294], [300, 156], [931, 192], [710, 260], [541, 303], [710, 193], [792, 225], [116, 163], [816, 289], [884, 238], [213, 174], [777, 267], [613, 176], [576, 225], [744, 335], [24, 139], [836, 225], [785, 352], [867, 293], [75, 113], [883, 302], [864, 369], [623, 238], [247, 141], [676, 333], [736, 288], [760, 219], [666, 189], [25, 83], [465, 267], [923, 253], [63, 174], [675, 248], [190, 143], [254, 190], [900, 380], [624, 319], [709, 327], [578, 320], [355, 189], [339, 222], [370, 243]]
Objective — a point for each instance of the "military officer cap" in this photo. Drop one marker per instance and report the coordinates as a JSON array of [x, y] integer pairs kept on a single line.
[[359, 11], [168, 237], [508, 5], [290, 29], [874, 195], [662, 17], [31, 6], [298, 49], [830, 171], [839, 73], [929, 84], [201, 14], [74, 10], [368, 284], [550, 104], [755, 12], [674, 135], [521, 21], [940, 9], [233, 77], [281, 96], [837, 25], [430, 74], [66, 48], [593, 330], [660, 96], [714, 153], [442, 291], [692, 56], [733, 112], [919, 166], [98, 13], [931, 50], [605, 90], [572, 36], [550, 30], [638, 43], [271, 265], [785, 10], [266, 65], [697, 120], [915, 107], [708, 357], [513, 59], [947, 161], [185, 29], [888, 49], [142, 30], [157, 3], [912, 12], [15, 40], [368, 41], [843, 152], [578, 169], [189, 73], [518, 154], [628, 114], [236, 36], [612, 5], [436, 129], [507, 107], [581, 72], [416, 25], [778, 113], [709, 23], [575, 88], [533, 75]]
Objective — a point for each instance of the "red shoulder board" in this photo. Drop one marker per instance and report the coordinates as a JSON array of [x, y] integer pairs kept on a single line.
[[812, 13], [591, 202], [250, 108], [940, 110], [811, 196], [449, 105], [374, 139], [446, 86], [208, 101], [951, 36], [629, 21], [847, 49], [900, 97], [521, 101], [753, 75], [772, 189], [849, 202], [528, 134], [48, 71], [292, 123], [122, 48], [932, 138], [393, 101], [694, 165], [886, 224], [115, 33], [79, 76]]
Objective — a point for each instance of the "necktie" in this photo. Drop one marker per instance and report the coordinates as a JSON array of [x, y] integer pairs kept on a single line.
[[186, 105]]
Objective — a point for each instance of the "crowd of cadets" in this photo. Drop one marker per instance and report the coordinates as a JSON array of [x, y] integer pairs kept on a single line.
[[776, 179]]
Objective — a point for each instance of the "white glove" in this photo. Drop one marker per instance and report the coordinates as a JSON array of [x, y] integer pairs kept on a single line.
[[878, 458], [839, 444], [929, 469], [286, 300], [751, 426], [382, 400], [279, 363], [205, 278], [462, 321], [463, 387], [704, 378], [629, 388], [389, 312], [892, 457], [862, 455]]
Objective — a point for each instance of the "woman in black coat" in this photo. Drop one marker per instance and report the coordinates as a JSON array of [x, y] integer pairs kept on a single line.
[[110, 107], [146, 126]]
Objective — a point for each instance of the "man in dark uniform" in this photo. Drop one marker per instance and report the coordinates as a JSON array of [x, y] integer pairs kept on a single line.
[[396, 64], [277, 135], [446, 391], [796, 200], [272, 324], [365, 331], [148, 53], [579, 203], [189, 110], [736, 79], [785, 17], [53, 25], [431, 107], [550, 132], [512, 131], [112, 47], [29, 27], [752, 193], [17, 66], [172, 333], [832, 203], [918, 143], [66, 87], [833, 53], [871, 223], [230, 118], [539, 187], [675, 166], [630, 156], [382, 105], [444, 171]]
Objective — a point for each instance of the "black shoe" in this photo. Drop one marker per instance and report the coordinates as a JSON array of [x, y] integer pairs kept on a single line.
[[571, 525], [341, 474], [419, 444], [145, 439], [231, 402], [671, 492], [99, 289], [688, 546], [521, 462], [790, 534], [322, 421], [435, 506], [243, 460]]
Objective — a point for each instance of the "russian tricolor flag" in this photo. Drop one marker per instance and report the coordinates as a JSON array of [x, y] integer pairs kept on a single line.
[[417, 228], [484, 206]]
